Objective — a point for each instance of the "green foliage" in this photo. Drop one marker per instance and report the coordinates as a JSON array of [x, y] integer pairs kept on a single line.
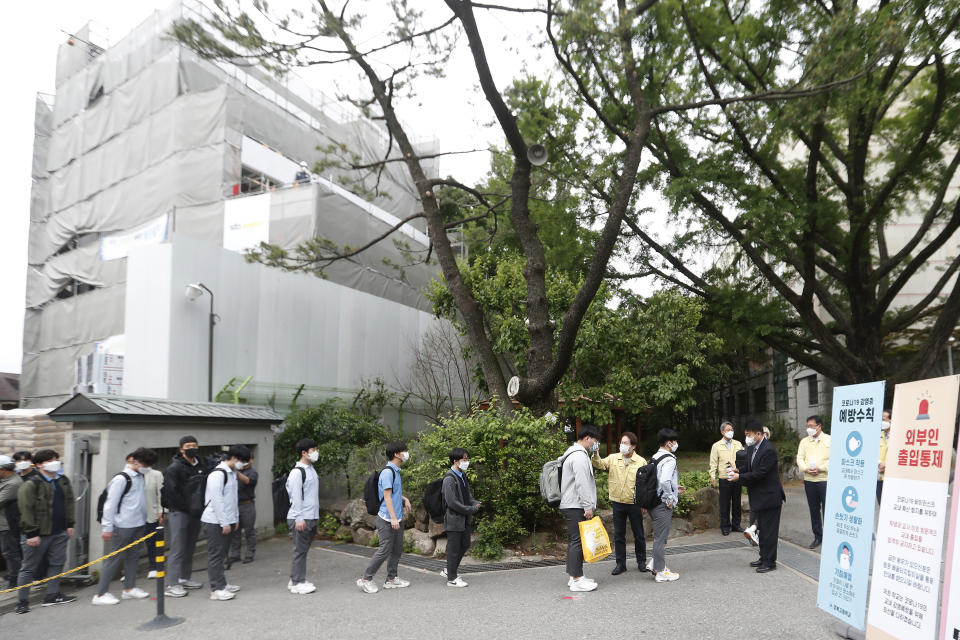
[[346, 440], [375, 540], [506, 456], [328, 525], [281, 529], [693, 481]]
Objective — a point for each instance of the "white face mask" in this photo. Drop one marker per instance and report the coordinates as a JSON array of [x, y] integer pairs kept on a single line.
[[464, 464], [404, 456], [594, 447], [750, 440], [313, 456], [885, 425], [728, 435], [52, 466], [674, 447], [625, 449], [240, 466], [144, 470], [23, 465], [811, 432]]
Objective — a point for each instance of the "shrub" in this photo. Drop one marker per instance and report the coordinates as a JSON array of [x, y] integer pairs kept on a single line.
[[346, 441], [328, 525], [693, 481], [506, 455]]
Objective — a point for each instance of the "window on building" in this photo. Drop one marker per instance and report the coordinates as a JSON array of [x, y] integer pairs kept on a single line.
[[743, 403], [74, 288], [760, 400], [256, 182], [781, 399], [813, 392]]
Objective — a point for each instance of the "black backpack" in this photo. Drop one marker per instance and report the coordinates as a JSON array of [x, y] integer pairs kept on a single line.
[[197, 492], [281, 499], [102, 500], [645, 491], [371, 493], [434, 501]]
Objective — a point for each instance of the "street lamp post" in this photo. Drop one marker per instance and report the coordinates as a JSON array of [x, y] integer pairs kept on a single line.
[[192, 292]]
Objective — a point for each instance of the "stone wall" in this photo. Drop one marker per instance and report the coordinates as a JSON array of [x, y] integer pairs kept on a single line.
[[30, 430]]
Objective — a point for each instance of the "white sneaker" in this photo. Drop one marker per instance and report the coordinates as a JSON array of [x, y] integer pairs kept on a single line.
[[443, 572], [176, 591], [459, 582], [134, 594], [107, 598], [232, 588], [151, 575], [583, 584], [222, 594], [667, 576], [367, 586], [650, 567], [302, 588], [190, 584], [396, 583], [750, 533]]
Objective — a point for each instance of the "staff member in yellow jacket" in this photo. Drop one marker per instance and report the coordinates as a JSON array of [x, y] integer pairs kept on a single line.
[[813, 457], [623, 477], [723, 454], [884, 443]]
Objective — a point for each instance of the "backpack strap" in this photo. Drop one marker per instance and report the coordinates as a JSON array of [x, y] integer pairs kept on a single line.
[[303, 483], [394, 477], [126, 487]]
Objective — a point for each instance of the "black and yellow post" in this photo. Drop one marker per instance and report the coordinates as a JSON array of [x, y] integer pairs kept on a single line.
[[162, 620]]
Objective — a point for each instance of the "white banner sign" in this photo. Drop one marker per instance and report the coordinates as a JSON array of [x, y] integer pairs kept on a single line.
[[246, 222], [950, 625], [118, 245]]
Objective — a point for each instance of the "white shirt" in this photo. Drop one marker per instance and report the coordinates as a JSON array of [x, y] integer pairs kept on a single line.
[[221, 497], [304, 492], [133, 506]]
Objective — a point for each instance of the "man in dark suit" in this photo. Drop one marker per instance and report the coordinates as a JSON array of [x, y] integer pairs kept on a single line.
[[762, 479]]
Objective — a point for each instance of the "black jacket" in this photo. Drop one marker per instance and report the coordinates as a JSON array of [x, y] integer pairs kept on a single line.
[[762, 477], [460, 503], [173, 494]]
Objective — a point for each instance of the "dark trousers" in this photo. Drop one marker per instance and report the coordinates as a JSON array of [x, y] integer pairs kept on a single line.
[[729, 505], [574, 549], [768, 521], [457, 544], [816, 500], [248, 525], [52, 551], [127, 559], [301, 545], [879, 490], [389, 550], [150, 544], [622, 512], [10, 549], [218, 544]]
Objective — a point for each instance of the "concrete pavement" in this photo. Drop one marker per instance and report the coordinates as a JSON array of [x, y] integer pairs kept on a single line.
[[718, 593]]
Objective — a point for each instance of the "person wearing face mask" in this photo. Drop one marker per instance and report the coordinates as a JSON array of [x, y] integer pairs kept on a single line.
[[182, 526], [47, 514], [220, 519], [153, 487], [669, 490], [458, 517], [813, 457], [124, 516], [303, 487], [23, 464], [393, 505], [622, 467], [723, 454], [760, 474], [10, 482], [247, 478], [578, 499], [884, 444]]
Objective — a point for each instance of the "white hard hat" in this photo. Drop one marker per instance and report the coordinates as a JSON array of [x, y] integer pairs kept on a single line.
[[6, 462], [303, 165]]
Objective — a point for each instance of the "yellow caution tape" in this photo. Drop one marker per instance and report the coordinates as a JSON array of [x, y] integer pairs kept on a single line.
[[83, 566]]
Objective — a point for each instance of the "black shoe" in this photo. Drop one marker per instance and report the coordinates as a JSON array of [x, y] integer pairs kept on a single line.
[[725, 532], [247, 560], [617, 570], [756, 563], [642, 564], [22, 607], [767, 569], [814, 544], [737, 529], [57, 598]]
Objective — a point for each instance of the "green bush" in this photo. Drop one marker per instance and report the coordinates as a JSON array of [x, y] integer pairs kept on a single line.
[[693, 481], [347, 441], [506, 455], [375, 540], [328, 525]]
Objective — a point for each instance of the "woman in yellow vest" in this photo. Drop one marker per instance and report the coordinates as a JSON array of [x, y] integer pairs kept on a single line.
[[622, 467]]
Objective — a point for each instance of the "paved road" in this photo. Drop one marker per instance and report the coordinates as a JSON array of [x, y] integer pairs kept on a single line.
[[716, 595]]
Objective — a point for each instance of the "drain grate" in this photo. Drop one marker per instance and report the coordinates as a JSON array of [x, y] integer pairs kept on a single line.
[[436, 564]]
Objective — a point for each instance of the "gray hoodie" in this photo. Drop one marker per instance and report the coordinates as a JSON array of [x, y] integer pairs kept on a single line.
[[578, 490]]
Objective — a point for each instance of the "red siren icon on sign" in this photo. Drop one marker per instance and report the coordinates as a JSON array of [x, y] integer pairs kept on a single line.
[[923, 413]]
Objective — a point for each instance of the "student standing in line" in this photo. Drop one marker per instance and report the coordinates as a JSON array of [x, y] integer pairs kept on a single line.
[[47, 514], [669, 490], [183, 527], [153, 487], [247, 478], [389, 522], [303, 487], [623, 479], [10, 482], [458, 517], [220, 517], [578, 499], [124, 517], [813, 458]]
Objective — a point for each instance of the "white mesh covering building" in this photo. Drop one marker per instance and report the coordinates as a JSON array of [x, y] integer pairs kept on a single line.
[[149, 155]]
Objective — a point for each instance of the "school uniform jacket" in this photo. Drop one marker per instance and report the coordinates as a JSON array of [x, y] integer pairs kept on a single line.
[[460, 503]]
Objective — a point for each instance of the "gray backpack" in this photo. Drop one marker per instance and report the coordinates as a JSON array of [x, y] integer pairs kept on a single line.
[[550, 477]]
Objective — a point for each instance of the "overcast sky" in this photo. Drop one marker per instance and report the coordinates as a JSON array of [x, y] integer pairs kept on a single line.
[[34, 30]]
